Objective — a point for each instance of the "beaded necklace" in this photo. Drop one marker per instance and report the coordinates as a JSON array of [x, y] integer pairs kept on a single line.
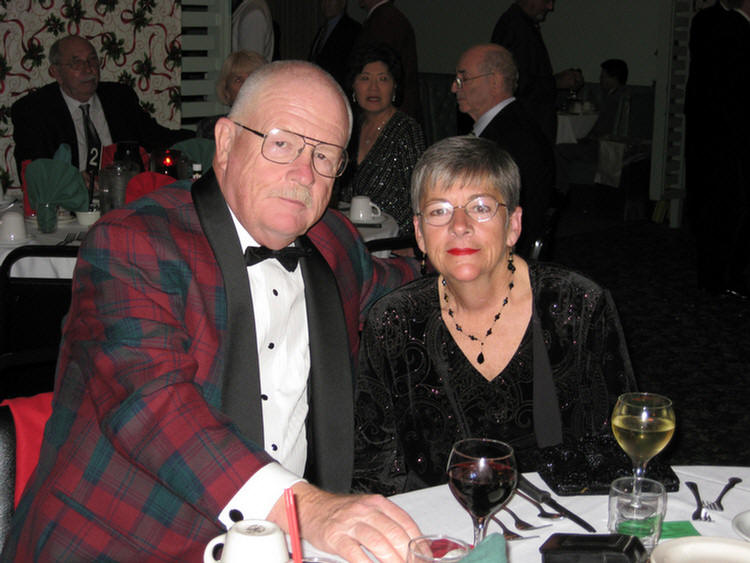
[[452, 315]]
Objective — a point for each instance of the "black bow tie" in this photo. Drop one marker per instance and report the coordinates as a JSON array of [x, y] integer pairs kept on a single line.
[[288, 257]]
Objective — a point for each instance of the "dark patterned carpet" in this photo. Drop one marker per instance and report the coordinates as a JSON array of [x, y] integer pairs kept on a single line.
[[684, 343]]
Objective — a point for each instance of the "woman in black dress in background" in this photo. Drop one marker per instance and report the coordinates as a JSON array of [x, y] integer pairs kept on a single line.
[[385, 143]]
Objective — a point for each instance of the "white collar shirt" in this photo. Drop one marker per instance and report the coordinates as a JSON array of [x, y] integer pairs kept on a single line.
[[283, 355], [96, 113], [489, 115]]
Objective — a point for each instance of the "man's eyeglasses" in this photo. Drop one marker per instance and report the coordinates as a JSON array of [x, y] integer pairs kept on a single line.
[[82, 64], [481, 209], [461, 81], [283, 147]]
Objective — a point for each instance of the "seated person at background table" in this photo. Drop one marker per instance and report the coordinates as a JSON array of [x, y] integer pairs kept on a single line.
[[181, 400], [612, 89], [386, 142], [497, 347], [53, 114], [486, 77], [234, 71]]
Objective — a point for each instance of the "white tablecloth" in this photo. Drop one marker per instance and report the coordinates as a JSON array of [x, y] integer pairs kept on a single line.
[[574, 126], [41, 267], [436, 511]]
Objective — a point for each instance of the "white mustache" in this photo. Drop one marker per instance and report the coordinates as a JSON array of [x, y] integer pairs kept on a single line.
[[296, 193]]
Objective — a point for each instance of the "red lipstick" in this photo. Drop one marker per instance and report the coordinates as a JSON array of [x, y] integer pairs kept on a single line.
[[462, 251]]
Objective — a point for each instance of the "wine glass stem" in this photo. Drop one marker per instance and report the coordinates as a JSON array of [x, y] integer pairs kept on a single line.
[[480, 529]]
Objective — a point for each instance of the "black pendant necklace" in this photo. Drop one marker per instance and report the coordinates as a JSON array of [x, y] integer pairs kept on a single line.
[[452, 315]]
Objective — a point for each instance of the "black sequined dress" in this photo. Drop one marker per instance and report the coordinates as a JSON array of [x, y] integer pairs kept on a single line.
[[384, 175], [417, 393]]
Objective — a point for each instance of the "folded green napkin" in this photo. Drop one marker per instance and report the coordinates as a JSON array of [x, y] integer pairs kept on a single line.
[[490, 550], [678, 529], [63, 153], [198, 150], [51, 184]]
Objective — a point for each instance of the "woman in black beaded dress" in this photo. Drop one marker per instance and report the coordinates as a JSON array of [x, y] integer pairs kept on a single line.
[[528, 353], [386, 142]]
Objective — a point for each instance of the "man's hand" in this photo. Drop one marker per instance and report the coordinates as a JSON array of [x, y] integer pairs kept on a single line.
[[570, 79], [344, 524]]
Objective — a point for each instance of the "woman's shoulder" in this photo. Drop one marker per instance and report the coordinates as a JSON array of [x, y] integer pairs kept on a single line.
[[547, 276], [412, 297]]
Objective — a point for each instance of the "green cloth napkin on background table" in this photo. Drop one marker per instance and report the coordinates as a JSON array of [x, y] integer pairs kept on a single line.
[[490, 550], [198, 150], [51, 184]]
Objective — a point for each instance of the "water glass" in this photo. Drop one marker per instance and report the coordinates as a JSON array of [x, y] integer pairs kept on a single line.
[[436, 548], [637, 508]]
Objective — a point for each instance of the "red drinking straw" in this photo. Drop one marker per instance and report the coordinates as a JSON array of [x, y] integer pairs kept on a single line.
[[293, 524]]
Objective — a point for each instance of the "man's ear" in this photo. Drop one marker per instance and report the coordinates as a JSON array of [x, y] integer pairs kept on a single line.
[[224, 132], [53, 72]]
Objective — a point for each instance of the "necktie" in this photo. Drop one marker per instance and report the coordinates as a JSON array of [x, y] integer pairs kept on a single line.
[[288, 257], [93, 143]]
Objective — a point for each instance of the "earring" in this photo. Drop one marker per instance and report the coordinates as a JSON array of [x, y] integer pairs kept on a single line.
[[423, 264], [354, 97], [511, 266], [393, 98]]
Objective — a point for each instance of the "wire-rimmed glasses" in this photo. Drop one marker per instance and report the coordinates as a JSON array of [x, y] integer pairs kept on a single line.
[[82, 64], [481, 208], [283, 147], [461, 81]]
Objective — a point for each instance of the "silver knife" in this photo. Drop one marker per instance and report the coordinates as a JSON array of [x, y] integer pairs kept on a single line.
[[545, 497]]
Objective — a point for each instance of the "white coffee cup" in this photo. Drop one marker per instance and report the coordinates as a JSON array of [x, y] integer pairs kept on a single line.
[[363, 210], [12, 227], [87, 218], [256, 540]]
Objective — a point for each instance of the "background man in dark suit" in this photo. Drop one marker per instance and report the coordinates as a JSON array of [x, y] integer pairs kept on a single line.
[[387, 24], [718, 144], [485, 79], [44, 119], [335, 38], [195, 382], [518, 31]]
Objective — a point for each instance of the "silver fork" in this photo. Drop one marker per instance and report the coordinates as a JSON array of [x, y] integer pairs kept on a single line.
[[522, 524], [700, 513], [716, 505], [509, 534], [70, 237], [542, 512]]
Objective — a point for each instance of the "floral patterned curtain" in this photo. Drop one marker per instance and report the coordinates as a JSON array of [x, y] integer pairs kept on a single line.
[[138, 42]]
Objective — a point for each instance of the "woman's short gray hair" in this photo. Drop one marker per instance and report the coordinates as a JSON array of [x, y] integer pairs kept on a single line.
[[466, 160]]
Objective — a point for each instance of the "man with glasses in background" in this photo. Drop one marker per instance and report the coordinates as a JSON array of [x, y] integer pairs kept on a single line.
[[486, 77], [207, 358], [82, 111]]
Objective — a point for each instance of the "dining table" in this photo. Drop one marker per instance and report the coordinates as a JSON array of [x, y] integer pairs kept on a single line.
[[68, 231], [381, 227], [436, 511], [574, 126]]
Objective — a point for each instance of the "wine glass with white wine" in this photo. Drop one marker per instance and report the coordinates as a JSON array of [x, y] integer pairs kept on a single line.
[[643, 424]]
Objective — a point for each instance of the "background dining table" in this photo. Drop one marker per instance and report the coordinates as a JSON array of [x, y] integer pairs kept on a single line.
[[436, 511], [68, 229], [574, 126]]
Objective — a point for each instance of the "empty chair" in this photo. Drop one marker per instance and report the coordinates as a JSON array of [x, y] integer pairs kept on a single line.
[[31, 314]]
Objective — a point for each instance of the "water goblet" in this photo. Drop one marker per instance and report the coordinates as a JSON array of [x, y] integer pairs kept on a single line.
[[482, 476]]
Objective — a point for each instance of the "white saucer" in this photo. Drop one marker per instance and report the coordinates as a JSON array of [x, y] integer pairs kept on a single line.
[[61, 219], [373, 221], [701, 550], [741, 524], [19, 242]]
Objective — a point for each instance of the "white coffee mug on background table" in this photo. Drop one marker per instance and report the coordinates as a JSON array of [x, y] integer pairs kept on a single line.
[[12, 228], [363, 210]]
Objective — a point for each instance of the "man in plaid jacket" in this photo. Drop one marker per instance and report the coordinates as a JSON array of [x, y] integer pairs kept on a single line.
[[182, 403]]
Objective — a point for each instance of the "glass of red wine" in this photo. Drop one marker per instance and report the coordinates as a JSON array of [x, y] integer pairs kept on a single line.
[[482, 476]]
